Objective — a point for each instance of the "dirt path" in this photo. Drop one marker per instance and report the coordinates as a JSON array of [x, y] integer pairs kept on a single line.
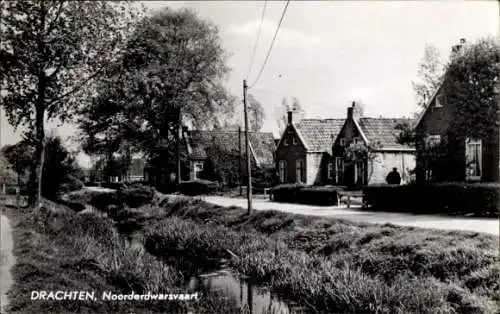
[[483, 225], [7, 260]]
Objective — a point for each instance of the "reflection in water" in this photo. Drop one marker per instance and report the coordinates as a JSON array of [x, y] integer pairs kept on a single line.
[[257, 299]]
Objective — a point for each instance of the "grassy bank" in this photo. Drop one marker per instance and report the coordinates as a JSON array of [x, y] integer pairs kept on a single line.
[[335, 265], [57, 249]]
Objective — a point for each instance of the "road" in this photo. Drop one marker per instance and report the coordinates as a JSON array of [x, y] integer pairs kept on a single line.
[[483, 225], [7, 260]]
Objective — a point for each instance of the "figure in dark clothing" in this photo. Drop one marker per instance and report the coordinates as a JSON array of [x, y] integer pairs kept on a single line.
[[393, 177]]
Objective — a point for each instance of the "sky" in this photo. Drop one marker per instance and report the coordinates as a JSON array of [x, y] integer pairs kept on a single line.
[[329, 53]]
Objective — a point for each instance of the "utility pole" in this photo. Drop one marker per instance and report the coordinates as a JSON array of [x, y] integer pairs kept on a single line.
[[239, 160], [249, 163]]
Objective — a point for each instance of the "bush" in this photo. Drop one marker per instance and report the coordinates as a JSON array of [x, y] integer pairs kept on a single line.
[[102, 200], [480, 199], [312, 195], [136, 195], [71, 184], [198, 187]]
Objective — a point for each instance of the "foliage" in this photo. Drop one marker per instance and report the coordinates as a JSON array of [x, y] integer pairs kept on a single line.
[[256, 114], [198, 187], [282, 113], [472, 85], [407, 134], [430, 74], [311, 195], [223, 166], [136, 195], [480, 199], [61, 172], [51, 52]]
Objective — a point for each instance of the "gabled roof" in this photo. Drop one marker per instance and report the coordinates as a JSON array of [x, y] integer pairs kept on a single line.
[[319, 134], [383, 130], [261, 145], [422, 113]]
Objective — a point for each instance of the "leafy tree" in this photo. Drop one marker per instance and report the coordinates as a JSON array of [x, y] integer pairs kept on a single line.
[[51, 51], [282, 113], [256, 114], [430, 73], [363, 154], [472, 85], [173, 71], [60, 169], [407, 135]]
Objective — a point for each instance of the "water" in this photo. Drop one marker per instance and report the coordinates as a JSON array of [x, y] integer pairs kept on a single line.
[[257, 298]]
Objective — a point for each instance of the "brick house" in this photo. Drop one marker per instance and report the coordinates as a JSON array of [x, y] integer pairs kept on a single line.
[[386, 153], [303, 154], [261, 145], [472, 160]]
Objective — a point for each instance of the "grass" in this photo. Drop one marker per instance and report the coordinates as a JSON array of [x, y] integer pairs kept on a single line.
[[337, 265], [57, 249]]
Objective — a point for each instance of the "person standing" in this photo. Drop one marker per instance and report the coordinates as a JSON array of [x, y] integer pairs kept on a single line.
[[393, 177]]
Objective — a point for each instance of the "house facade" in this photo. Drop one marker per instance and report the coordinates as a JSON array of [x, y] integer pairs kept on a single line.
[[198, 143], [384, 153], [461, 159], [303, 154]]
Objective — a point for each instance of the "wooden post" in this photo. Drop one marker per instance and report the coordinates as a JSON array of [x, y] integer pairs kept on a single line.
[[247, 150], [239, 160]]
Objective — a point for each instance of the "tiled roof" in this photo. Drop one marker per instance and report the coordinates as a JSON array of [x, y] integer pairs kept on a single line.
[[262, 143], [383, 130], [319, 134]]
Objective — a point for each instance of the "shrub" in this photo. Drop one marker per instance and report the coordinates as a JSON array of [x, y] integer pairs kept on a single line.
[[198, 187], [313, 195], [72, 184], [102, 200], [113, 185], [480, 199], [136, 195]]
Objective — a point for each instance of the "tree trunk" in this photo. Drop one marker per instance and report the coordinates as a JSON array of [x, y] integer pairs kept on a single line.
[[35, 193], [178, 138]]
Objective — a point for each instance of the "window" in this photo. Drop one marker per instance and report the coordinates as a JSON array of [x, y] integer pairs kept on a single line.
[[473, 158], [330, 170], [198, 168], [342, 142], [300, 171], [439, 103], [294, 141], [339, 169], [357, 140], [282, 171], [432, 140], [285, 142]]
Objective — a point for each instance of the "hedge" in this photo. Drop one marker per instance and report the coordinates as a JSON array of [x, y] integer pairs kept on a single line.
[[136, 195], [480, 199], [303, 194], [198, 187]]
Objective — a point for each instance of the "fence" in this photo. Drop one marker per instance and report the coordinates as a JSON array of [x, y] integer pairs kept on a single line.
[[13, 195]]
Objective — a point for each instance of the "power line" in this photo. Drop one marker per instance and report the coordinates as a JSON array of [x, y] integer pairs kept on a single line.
[[272, 44], [257, 40]]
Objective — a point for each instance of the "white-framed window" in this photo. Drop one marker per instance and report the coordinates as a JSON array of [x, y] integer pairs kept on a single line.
[[473, 159], [282, 171], [294, 141], [339, 168], [300, 173], [342, 142], [285, 142], [357, 140], [330, 171], [198, 168], [439, 103], [432, 140]]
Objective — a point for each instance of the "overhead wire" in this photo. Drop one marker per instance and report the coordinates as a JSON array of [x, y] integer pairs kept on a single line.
[[272, 44], [257, 40]]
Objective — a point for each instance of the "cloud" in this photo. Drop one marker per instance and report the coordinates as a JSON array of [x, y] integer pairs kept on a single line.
[[288, 37]]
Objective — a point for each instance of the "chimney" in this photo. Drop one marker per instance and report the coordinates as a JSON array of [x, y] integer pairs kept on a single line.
[[350, 110], [290, 116]]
